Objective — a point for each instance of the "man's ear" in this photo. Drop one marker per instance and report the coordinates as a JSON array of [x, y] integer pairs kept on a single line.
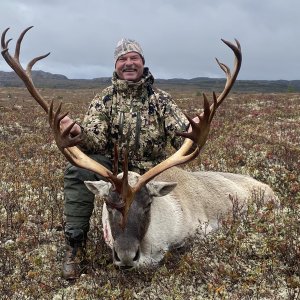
[[100, 188], [159, 188]]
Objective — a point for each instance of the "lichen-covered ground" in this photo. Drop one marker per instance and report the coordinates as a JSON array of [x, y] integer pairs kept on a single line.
[[254, 255]]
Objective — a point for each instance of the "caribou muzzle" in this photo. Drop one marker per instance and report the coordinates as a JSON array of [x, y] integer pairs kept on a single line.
[[126, 253]]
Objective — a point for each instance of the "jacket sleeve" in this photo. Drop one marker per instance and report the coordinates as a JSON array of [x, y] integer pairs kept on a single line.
[[95, 126], [174, 119]]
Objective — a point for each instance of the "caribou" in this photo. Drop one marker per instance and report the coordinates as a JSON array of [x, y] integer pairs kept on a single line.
[[146, 215]]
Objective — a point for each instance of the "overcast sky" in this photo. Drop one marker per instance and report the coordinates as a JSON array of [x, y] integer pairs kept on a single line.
[[180, 38]]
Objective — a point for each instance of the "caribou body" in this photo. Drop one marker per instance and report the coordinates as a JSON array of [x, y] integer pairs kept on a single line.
[[144, 216], [169, 209]]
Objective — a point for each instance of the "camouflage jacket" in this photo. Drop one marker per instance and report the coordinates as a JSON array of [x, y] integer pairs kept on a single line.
[[135, 115]]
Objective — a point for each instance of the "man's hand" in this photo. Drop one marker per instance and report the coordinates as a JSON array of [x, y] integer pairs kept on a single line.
[[67, 121]]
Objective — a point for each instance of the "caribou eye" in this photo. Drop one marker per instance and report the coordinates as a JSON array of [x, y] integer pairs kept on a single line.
[[148, 207], [112, 205], [109, 209]]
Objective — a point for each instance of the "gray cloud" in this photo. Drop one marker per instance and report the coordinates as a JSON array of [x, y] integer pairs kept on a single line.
[[180, 38]]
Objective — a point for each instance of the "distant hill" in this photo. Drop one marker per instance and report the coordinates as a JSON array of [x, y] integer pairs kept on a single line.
[[49, 80], [199, 84]]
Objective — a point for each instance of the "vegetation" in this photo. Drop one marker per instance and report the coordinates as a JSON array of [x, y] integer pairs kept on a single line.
[[255, 253]]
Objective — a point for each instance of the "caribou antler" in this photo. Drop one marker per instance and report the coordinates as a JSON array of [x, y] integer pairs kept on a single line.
[[67, 145], [15, 64], [64, 140], [199, 131]]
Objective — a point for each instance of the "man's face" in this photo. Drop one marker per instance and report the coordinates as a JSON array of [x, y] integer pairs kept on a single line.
[[130, 66]]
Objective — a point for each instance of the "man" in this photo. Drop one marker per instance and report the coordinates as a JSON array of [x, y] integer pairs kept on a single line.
[[131, 113]]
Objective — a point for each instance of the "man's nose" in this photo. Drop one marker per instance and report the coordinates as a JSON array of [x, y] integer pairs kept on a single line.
[[128, 61]]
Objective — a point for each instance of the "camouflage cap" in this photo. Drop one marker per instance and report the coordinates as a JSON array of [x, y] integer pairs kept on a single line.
[[127, 45]]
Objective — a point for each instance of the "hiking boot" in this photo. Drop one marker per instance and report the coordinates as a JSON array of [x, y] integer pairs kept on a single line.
[[74, 255]]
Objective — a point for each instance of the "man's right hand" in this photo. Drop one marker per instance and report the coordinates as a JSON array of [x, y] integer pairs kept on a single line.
[[67, 121]]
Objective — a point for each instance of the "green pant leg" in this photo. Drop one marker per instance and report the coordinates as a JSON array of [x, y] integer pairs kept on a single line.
[[79, 201]]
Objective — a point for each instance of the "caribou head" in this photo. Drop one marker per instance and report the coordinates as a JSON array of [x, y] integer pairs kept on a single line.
[[132, 201]]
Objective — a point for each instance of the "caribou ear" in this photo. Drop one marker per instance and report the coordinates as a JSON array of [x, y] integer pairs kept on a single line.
[[159, 188], [100, 188]]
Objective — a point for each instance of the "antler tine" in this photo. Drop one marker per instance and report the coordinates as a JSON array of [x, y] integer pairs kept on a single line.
[[116, 160], [125, 171], [230, 78], [4, 44], [14, 63], [127, 191], [33, 61], [18, 44], [123, 188], [65, 139]]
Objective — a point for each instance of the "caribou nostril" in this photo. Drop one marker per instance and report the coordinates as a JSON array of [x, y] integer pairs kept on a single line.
[[137, 255], [116, 256], [126, 267]]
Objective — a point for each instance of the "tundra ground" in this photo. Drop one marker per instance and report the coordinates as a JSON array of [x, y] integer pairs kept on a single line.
[[254, 255]]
